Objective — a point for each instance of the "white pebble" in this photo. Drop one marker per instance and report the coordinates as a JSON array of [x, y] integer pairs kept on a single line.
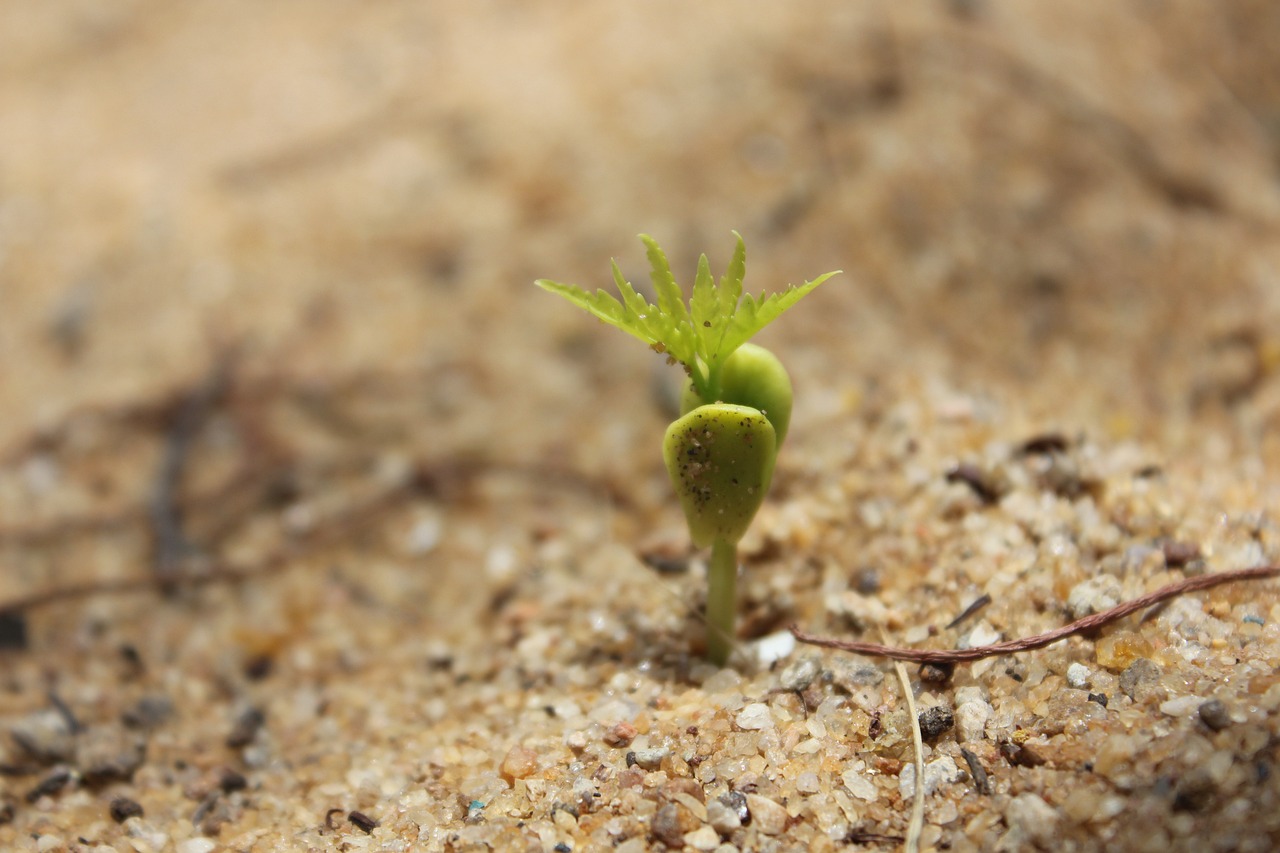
[[1078, 675], [860, 786], [197, 845], [971, 719], [702, 838], [1182, 706], [774, 647], [1093, 596], [981, 635], [754, 717], [1030, 817], [937, 773]]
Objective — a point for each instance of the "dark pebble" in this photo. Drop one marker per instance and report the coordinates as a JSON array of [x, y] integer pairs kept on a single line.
[[362, 821], [123, 808], [50, 784], [230, 780], [981, 782], [13, 630], [1100, 698], [246, 727], [1213, 713], [148, 713], [936, 720]]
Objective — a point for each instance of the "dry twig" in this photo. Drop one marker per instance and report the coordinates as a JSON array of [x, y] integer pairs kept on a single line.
[[1086, 625]]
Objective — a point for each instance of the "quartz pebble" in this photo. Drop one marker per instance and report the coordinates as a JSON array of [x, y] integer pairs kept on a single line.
[[1030, 818], [1140, 680], [859, 786], [754, 717], [971, 718], [1078, 675], [939, 772], [702, 838], [767, 817], [651, 758], [519, 763], [1093, 596], [722, 816], [197, 845]]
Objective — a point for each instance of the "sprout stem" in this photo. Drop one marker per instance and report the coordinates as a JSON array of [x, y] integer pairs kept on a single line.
[[722, 578]]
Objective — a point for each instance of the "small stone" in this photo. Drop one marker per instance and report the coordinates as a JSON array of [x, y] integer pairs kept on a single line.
[[45, 735], [981, 634], [799, 674], [109, 754], [123, 808], [197, 845], [1093, 596], [1078, 675], [723, 817], [149, 713], [936, 720], [620, 735], [245, 727], [1030, 817], [1141, 680], [774, 647], [577, 741], [519, 762], [939, 772], [670, 824], [971, 719], [702, 838], [649, 759], [767, 817], [807, 783], [1214, 714], [755, 717], [1180, 706], [49, 843], [859, 786]]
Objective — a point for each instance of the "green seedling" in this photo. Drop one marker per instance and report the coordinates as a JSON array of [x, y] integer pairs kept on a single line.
[[734, 411]]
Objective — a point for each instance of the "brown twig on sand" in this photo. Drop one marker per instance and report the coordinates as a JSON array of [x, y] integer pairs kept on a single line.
[[1081, 626]]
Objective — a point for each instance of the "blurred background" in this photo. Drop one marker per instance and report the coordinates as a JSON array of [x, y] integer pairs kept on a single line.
[[1074, 207]]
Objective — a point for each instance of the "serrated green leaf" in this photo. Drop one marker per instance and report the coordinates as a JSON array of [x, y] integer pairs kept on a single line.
[[718, 319], [670, 296]]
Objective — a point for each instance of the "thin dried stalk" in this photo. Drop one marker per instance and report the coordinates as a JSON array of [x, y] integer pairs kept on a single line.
[[1086, 625]]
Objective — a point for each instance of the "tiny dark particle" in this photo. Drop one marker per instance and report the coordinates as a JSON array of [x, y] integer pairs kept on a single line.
[[1050, 442], [936, 673], [123, 808], [1100, 698], [230, 780], [50, 784], [1213, 713], [258, 667], [1178, 554], [631, 759], [362, 821], [7, 813], [978, 481], [245, 727], [981, 782], [562, 848], [328, 819], [13, 630], [1021, 755]]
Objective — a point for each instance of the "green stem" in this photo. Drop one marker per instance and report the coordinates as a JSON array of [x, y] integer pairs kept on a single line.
[[722, 578]]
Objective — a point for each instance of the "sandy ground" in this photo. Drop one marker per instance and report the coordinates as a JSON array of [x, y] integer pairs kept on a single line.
[[267, 320]]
